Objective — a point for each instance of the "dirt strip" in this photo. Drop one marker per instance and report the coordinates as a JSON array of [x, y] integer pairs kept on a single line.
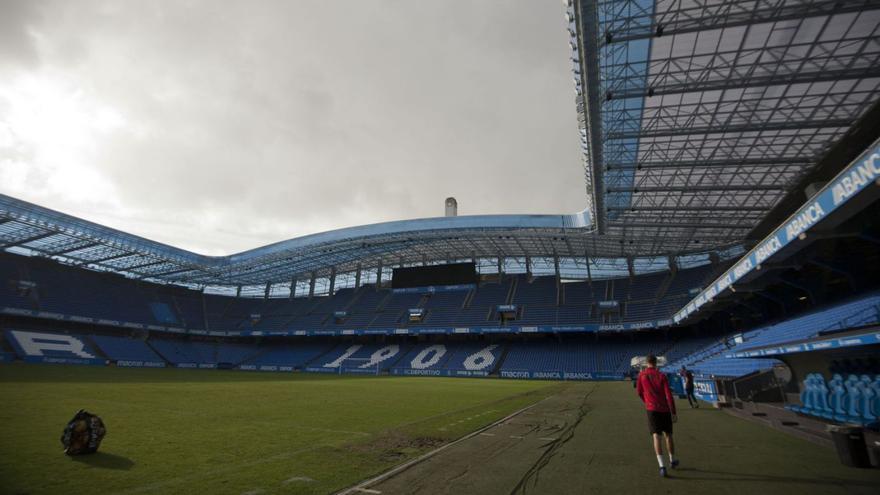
[[506, 458]]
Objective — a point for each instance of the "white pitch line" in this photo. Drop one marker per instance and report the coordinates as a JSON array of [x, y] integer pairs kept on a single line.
[[548, 439], [367, 490], [298, 478], [516, 436], [488, 434], [406, 465]]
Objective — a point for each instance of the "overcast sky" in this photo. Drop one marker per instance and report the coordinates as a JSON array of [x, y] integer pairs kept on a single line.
[[219, 126]]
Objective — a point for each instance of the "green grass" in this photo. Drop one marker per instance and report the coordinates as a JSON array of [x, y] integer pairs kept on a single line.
[[207, 431], [602, 446], [720, 454]]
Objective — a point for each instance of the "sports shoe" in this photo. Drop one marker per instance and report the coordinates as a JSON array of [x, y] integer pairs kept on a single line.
[[674, 464], [663, 472]]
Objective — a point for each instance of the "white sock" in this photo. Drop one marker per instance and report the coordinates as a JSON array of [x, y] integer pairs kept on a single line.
[[660, 460], [671, 458]]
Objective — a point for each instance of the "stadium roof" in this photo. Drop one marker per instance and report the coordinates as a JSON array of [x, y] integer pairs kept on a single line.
[[696, 117]]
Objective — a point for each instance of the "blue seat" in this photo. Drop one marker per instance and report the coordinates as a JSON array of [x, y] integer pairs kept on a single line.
[[838, 402], [853, 400], [805, 396], [869, 414], [822, 408]]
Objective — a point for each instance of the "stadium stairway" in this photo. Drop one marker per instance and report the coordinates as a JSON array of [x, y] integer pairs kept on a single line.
[[512, 292], [496, 370], [664, 286], [98, 351]]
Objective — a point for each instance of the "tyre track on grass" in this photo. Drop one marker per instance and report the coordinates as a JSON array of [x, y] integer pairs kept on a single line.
[[537, 432], [364, 485], [564, 433], [565, 436]]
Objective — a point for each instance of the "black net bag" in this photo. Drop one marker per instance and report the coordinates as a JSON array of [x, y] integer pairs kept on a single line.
[[83, 434]]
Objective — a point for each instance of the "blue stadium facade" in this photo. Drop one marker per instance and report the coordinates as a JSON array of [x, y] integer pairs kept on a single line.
[[732, 169]]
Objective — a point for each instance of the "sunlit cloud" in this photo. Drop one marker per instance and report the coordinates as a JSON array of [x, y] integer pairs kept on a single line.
[[220, 127]]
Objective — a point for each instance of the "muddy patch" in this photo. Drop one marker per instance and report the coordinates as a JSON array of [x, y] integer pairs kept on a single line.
[[395, 446]]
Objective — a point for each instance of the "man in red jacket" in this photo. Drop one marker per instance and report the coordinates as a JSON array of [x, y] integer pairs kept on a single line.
[[653, 389]]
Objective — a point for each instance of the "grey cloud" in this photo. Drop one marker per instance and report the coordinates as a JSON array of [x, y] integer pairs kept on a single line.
[[17, 44], [313, 114]]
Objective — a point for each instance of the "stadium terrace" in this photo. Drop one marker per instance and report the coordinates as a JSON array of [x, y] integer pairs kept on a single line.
[[730, 232]]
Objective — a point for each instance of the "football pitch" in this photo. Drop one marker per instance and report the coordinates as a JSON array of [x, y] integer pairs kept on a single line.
[[192, 431]]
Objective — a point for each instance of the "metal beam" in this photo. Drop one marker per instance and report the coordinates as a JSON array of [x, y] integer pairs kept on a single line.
[[805, 77], [695, 188], [143, 265], [689, 208], [724, 163], [588, 15], [71, 250], [707, 16], [680, 225], [26, 240], [109, 258], [750, 127]]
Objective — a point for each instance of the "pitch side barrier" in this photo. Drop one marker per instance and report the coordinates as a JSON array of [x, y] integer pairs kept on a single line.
[[266, 367], [560, 375], [440, 372], [705, 388], [860, 175], [66, 360], [129, 363]]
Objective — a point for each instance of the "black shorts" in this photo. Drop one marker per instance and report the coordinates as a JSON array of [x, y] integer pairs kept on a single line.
[[660, 422]]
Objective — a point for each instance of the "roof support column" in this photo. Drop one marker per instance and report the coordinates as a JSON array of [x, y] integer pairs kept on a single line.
[[556, 265], [630, 266], [292, 287], [589, 49], [673, 266], [238, 291], [589, 275], [529, 266], [312, 284], [357, 277], [500, 265], [268, 289], [378, 275], [332, 280]]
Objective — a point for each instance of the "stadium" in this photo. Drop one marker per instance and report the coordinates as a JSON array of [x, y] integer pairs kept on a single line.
[[731, 156]]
